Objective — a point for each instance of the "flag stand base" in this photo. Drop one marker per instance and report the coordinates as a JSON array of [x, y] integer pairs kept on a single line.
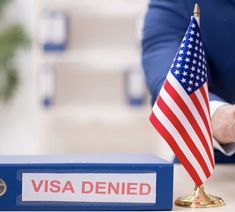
[[199, 198]]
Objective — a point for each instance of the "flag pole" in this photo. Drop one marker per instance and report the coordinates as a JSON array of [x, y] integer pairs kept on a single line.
[[196, 11], [199, 198]]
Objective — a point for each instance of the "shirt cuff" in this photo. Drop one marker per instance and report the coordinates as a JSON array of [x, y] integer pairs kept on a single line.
[[227, 149]]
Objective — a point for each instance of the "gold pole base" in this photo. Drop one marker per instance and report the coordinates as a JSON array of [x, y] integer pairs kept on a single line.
[[199, 198]]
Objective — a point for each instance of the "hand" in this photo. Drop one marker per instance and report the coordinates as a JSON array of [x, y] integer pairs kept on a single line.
[[223, 124]]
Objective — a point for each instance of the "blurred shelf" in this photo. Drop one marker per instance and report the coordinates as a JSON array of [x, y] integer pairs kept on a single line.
[[116, 8], [95, 59], [91, 106], [118, 115]]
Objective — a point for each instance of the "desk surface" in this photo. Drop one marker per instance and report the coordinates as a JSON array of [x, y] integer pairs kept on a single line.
[[221, 183]]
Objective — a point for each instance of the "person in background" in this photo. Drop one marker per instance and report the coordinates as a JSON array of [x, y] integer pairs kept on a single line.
[[165, 24]]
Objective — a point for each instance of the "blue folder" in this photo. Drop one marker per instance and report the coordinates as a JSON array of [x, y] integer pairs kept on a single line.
[[15, 172]]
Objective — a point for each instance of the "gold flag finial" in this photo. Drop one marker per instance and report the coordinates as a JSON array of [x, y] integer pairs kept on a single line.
[[196, 10]]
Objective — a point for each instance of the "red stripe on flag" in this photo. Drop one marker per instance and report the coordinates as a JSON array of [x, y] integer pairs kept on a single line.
[[203, 93], [205, 97], [184, 134], [184, 108], [200, 110], [174, 146]]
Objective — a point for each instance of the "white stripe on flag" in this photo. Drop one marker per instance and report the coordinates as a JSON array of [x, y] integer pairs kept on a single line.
[[203, 104], [205, 86], [179, 140], [173, 81], [187, 125]]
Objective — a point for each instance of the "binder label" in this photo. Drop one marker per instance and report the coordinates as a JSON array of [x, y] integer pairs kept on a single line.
[[89, 187]]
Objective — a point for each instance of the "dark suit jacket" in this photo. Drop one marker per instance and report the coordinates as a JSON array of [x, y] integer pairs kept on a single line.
[[165, 25]]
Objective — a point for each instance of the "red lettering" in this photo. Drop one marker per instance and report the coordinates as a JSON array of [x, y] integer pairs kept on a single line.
[[68, 187], [37, 187], [123, 188], [99, 186], [132, 188], [112, 188], [145, 189], [87, 187], [55, 186], [46, 186], [118, 188]]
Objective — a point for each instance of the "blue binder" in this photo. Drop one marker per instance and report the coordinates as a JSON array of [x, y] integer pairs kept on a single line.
[[86, 182]]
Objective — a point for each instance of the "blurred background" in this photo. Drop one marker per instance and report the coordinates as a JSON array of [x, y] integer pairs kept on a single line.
[[71, 79]]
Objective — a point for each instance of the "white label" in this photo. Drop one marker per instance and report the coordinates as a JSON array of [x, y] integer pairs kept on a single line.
[[47, 81], [90, 187], [60, 28], [136, 85]]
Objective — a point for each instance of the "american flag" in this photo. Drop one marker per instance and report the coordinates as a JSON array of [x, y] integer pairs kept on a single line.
[[181, 112]]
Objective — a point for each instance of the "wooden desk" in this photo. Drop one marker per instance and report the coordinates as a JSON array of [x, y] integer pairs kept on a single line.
[[221, 183]]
